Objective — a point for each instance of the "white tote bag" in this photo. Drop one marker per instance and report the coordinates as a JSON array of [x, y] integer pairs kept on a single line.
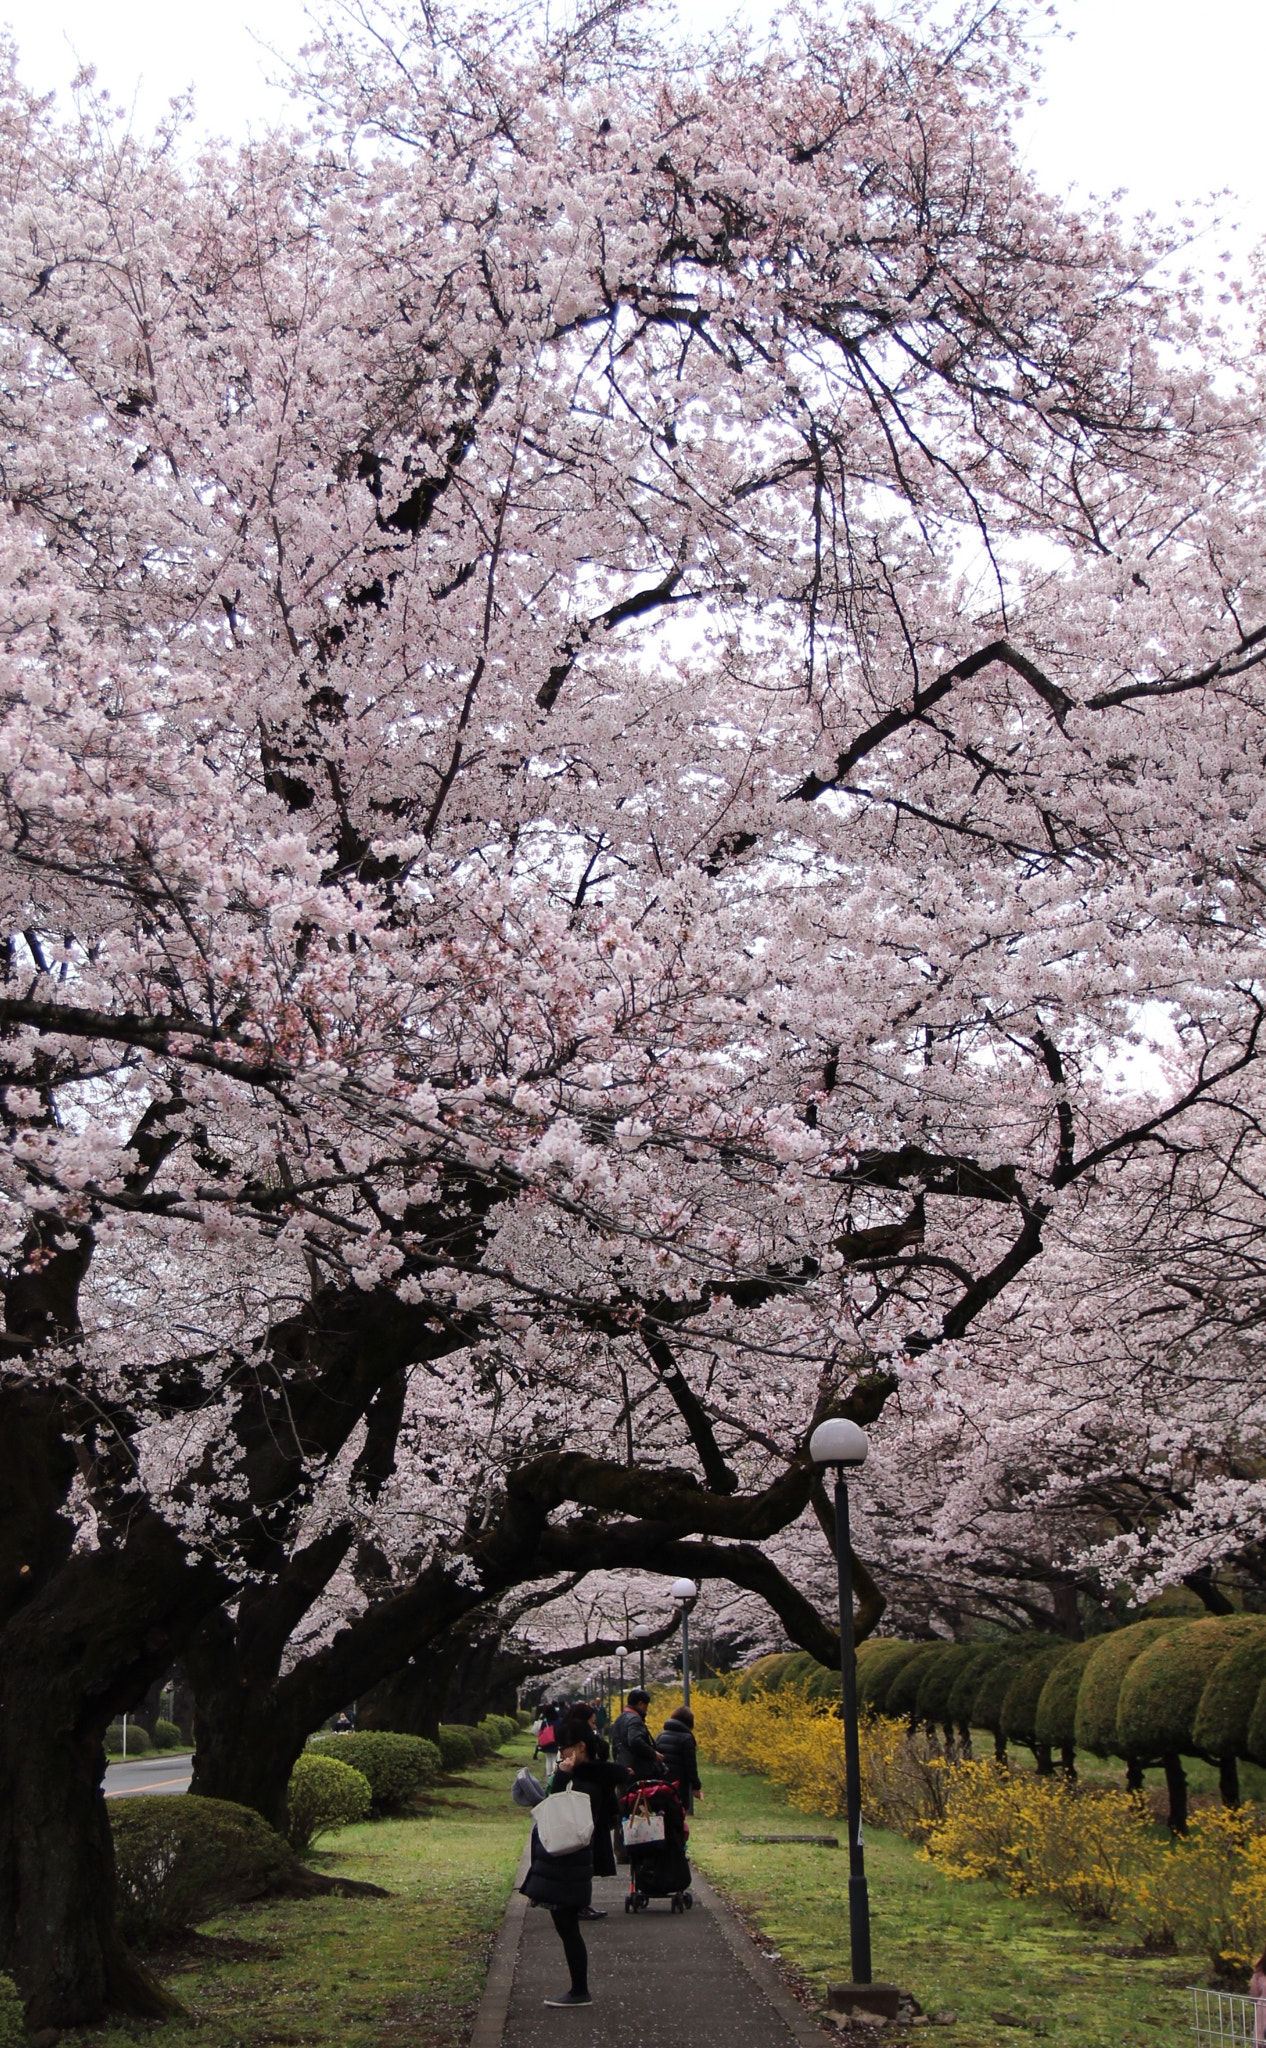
[[564, 1823]]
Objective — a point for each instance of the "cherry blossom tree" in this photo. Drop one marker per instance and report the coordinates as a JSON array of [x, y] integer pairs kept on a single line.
[[624, 665]]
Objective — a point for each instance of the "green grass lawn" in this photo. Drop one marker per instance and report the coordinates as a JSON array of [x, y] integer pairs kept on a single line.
[[1010, 1969], [362, 1973]]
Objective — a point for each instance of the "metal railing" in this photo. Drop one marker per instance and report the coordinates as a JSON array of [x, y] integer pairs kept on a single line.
[[1224, 2019]]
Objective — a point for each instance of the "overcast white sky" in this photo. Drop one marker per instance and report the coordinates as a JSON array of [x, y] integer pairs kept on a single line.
[[1157, 96]]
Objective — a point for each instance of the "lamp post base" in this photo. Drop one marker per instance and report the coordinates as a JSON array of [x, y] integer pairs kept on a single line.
[[883, 2000]]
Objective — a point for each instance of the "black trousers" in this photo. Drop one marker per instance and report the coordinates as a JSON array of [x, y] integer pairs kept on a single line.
[[566, 1921]]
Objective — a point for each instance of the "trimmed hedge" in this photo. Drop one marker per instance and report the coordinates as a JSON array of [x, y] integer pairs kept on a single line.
[[167, 1735], [936, 1686], [901, 1695], [1221, 1726], [456, 1749], [138, 1742], [12, 2017], [181, 1860], [1255, 1739], [1161, 1692], [498, 1729], [764, 1674], [478, 1737], [396, 1766], [1018, 1719], [1055, 1721], [322, 1794], [1095, 1723], [963, 1692], [878, 1673], [523, 1719]]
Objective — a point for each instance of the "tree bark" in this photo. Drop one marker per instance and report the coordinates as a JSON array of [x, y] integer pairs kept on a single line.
[[1176, 1786], [1229, 1781], [90, 1640]]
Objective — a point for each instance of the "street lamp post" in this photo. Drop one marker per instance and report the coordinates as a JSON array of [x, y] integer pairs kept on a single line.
[[639, 1636], [841, 1446], [685, 1590], [622, 1653]]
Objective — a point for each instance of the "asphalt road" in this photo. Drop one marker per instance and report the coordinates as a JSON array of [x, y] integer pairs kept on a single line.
[[157, 1773]]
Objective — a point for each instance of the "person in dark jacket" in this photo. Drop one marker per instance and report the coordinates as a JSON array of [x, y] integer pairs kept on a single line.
[[676, 1744], [631, 1743], [565, 1883], [583, 1711]]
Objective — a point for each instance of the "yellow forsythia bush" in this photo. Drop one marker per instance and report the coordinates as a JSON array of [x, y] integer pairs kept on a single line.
[[1085, 1846], [1099, 1853], [1094, 1849], [1209, 1891], [799, 1744]]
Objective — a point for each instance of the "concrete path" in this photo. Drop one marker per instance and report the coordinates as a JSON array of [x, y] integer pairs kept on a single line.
[[659, 1979], [148, 1774]]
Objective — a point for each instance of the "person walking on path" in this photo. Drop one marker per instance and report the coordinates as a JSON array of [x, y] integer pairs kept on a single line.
[[631, 1743], [676, 1744], [565, 1883]]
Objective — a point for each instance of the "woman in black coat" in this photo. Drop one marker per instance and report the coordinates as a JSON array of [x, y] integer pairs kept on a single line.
[[565, 1883], [681, 1756]]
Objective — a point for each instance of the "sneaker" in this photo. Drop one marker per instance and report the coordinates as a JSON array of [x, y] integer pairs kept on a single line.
[[571, 1998]]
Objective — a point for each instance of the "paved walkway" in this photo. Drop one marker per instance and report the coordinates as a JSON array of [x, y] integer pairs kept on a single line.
[[658, 1979]]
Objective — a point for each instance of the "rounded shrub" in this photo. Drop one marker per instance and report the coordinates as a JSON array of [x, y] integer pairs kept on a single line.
[[138, 1742], [12, 2020], [1255, 1744], [496, 1729], [523, 1719], [1018, 1718], [1055, 1721], [167, 1735], [322, 1794], [457, 1751], [763, 1675], [480, 1740], [876, 1675], [396, 1766], [937, 1680], [901, 1698], [1226, 1705], [965, 1687], [1161, 1692], [181, 1860], [1100, 1689]]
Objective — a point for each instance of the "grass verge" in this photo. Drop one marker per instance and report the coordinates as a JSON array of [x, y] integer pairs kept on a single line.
[[402, 1972], [1010, 1969]]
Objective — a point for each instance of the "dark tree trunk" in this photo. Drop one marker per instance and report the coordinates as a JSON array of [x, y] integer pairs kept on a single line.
[[1176, 1786], [89, 1640], [999, 1747], [1229, 1781], [1068, 1613], [1068, 1761], [1133, 1774], [252, 1720], [1045, 1761], [147, 1711], [964, 1739]]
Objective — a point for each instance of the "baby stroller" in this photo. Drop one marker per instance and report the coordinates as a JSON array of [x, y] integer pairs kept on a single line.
[[658, 1866]]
